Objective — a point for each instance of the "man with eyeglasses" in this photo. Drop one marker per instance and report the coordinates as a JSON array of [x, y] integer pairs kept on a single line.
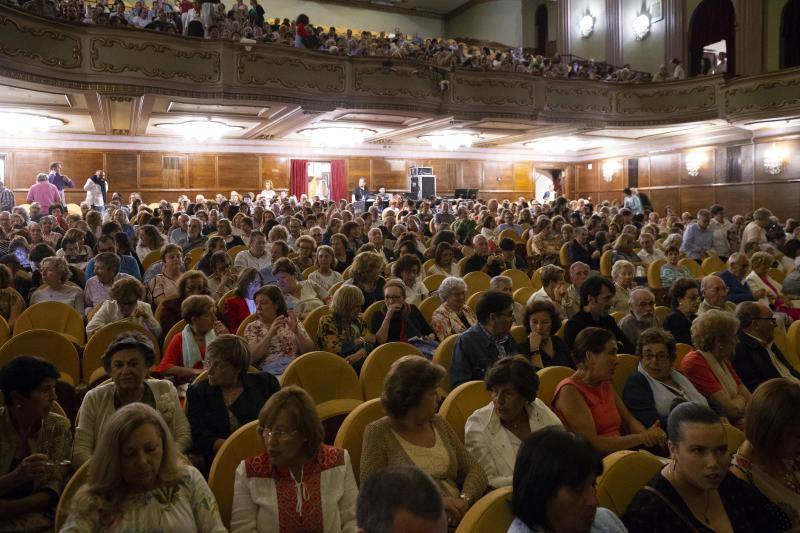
[[757, 358], [715, 295]]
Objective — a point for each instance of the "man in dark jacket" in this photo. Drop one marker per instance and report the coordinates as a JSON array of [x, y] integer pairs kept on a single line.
[[597, 294]]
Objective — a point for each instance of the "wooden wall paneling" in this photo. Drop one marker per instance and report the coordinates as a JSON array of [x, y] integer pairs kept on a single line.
[[661, 198], [122, 169], [79, 165], [586, 179], [275, 169], [151, 172], [791, 168], [26, 165], [721, 164], [446, 171], [239, 172], [664, 169], [644, 172], [498, 176], [781, 198], [748, 167], [471, 175], [359, 167], [609, 196], [202, 172], [523, 178], [736, 199], [695, 198], [389, 173]]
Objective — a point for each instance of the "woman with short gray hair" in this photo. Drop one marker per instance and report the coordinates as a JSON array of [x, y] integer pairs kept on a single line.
[[454, 315]]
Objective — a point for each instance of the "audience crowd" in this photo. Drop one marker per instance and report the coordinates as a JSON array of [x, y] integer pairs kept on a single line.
[[238, 288]]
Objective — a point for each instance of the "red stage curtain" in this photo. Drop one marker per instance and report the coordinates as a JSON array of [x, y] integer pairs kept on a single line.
[[298, 178], [338, 180]]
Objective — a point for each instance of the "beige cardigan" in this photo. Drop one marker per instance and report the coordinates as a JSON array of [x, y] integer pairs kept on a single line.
[[381, 449]]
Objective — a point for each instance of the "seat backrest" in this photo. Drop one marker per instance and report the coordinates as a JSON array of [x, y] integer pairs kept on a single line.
[[243, 324], [433, 282], [508, 233], [233, 250], [624, 474], [523, 294], [443, 355], [427, 265], [712, 264], [490, 513], [793, 344], [549, 378], [373, 308], [626, 366], [776, 273], [152, 257], [734, 437], [661, 313], [605, 263], [563, 255], [324, 375], [54, 316], [310, 270], [77, 481], [378, 363], [462, 402], [654, 274], [472, 301], [536, 279], [174, 330], [311, 322], [335, 287], [5, 331], [351, 432], [519, 334], [681, 349], [223, 299], [102, 338], [477, 281], [519, 278], [428, 306], [692, 266], [618, 315], [51, 345], [243, 443]]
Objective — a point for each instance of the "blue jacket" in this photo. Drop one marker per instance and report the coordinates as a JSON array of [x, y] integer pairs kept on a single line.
[[737, 291], [128, 265], [474, 353]]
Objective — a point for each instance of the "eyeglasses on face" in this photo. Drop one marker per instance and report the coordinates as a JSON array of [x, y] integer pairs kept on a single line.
[[277, 434]]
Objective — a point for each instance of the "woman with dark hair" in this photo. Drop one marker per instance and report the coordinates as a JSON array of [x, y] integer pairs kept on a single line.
[[341, 252], [696, 491], [444, 261], [149, 239], [190, 283], [544, 348], [407, 269], [400, 321], [230, 397], [302, 297], [494, 433], [11, 303], [35, 445], [303, 34], [412, 433], [588, 405], [242, 305], [554, 486], [684, 296], [214, 244]]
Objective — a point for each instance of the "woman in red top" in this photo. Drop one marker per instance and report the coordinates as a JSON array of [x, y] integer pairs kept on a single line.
[[185, 355], [588, 404], [236, 309], [301, 31]]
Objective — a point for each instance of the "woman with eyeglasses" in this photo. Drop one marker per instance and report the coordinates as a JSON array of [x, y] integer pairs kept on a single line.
[[298, 483], [399, 320]]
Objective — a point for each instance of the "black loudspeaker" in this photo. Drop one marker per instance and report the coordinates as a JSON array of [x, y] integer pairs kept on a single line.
[[413, 185], [428, 186]]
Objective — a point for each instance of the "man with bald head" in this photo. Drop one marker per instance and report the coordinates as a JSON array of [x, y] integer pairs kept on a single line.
[[642, 305], [481, 245], [738, 268], [715, 295]]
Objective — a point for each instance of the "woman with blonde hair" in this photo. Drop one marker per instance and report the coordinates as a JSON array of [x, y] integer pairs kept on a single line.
[[366, 270], [344, 331], [136, 482]]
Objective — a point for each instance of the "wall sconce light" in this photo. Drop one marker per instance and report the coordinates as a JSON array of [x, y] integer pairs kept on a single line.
[[695, 162], [641, 26], [774, 159], [586, 24], [610, 168]]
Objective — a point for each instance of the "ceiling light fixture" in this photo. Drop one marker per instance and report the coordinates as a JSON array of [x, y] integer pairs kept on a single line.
[[610, 168], [586, 25], [336, 136], [774, 159], [695, 161], [451, 140], [641, 26], [20, 123], [201, 129]]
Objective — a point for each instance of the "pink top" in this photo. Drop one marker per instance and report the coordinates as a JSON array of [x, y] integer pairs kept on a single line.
[[45, 193], [601, 401]]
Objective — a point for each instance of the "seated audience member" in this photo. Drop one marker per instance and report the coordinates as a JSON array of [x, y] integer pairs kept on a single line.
[[509, 257], [194, 236], [453, 315], [306, 246], [107, 243], [543, 347], [488, 340], [185, 355], [554, 486], [225, 230], [734, 278], [127, 360], [759, 279], [642, 304], [444, 261], [695, 491], [325, 276], [596, 295], [656, 388], [106, 272], [649, 253], [298, 483], [684, 296], [242, 304], [580, 251], [12, 303], [19, 281], [715, 296], [276, 336], [588, 405], [191, 282], [125, 301], [302, 297], [149, 240], [35, 445], [366, 271], [400, 499], [623, 251], [506, 285], [55, 287], [136, 481], [622, 273], [407, 269], [758, 358], [399, 320], [671, 270], [165, 284], [344, 331], [709, 367], [256, 255], [223, 279], [230, 397], [341, 252], [494, 433], [554, 288], [413, 434], [571, 302], [768, 458], [214, 244]]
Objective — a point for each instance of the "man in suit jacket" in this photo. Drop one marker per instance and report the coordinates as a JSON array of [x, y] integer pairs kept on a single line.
[[488, 340], [738, 291], [757, 358]]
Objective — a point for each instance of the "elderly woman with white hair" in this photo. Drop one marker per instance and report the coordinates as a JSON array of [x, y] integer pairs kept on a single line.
[[454, 315], [55, 273], [622, 273]]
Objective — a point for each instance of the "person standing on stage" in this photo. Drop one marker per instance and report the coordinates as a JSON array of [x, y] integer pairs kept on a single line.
[[361, 192], [59, 180]]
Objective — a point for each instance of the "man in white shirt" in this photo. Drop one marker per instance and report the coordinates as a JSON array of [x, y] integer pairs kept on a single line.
[[722, 66], [649, 252], [677, 70], [256, 254], [754, 231]]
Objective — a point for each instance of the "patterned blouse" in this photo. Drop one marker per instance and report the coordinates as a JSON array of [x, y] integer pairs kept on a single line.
[[446, 322], [161, 288], [282, 345], [333, 339]]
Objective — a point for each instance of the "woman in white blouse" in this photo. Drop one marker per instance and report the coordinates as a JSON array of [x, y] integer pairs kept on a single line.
[[128, 360], [407, 269], [495, 432], [96, 188], [298, 483]]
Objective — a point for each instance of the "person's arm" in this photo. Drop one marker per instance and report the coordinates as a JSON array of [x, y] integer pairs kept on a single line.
[[477, 444], [172, 362], [373, 451], [638, 398], [88, 185], [204, 506], [471, 477], [197, 413], [460, 367], [732, 408], [83, 444], [244, 510], [382, 331], [304, 341], [347, 503], [101, 318], [180, 429]]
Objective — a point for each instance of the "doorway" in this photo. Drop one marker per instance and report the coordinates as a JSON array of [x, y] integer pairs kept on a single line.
[[540, 24], [319, 179], [544, 187], [712, 21]]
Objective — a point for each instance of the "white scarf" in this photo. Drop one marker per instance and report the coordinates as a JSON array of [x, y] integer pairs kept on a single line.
[[665, 396], [722, 374], [189, 349]]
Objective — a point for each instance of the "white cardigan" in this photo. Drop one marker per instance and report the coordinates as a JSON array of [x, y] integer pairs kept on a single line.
[[495, 447], [94, 194], [98, 404], [755, 283]]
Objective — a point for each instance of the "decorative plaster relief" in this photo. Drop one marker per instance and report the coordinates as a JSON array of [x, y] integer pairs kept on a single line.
[[154, 60], [285, 72], [563, 97], [380, 81], [52, 48], [762, 94], [653, 99], [481, 89]]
